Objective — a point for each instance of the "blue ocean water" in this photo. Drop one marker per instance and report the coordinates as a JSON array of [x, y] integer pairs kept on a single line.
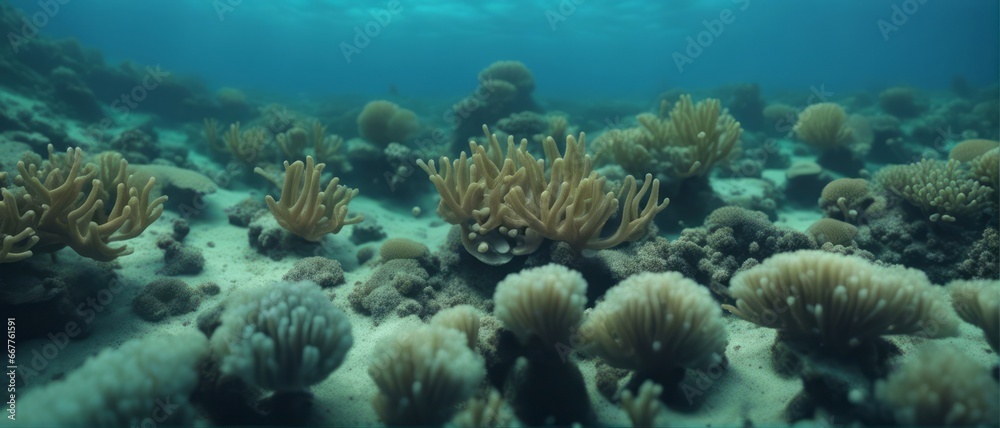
[[575, 48], [265, 212]]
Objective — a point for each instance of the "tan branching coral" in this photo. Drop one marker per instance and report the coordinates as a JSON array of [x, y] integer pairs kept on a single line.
[[53, 214], [306, 210], [294, 142], [246, 146], [839, 301], [824, 126], [701, 136], [497, 195], [645, 409], [15, 230], [945, 190], [685, 141]]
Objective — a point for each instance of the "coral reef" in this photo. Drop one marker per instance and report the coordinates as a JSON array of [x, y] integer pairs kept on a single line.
[[307, 209], [52, 215], [506, 204]]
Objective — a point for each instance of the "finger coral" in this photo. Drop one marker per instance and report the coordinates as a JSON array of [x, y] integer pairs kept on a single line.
[[499, 198], [304, 209], [52, 214], [839, 301], [654, 323], [945, 190], [685, 141]]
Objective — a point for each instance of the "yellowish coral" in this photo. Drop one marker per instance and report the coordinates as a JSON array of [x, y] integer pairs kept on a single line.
[[968, 150], [945, 190], [516, 195], [978, 303], [941, 386], [685, 141], [654, 323], [839, 301], [53, 215], [382, 122], [306, 210], [986, 168], [824, 126], [246, 146]]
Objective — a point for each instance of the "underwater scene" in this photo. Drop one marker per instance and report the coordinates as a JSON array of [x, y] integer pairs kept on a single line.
[[688, 213]]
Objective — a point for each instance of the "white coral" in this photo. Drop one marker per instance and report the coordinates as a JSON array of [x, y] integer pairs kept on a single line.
[[423, 374], [286, 337], [546, 302], [144, 379], [942, 387], [655, 322]]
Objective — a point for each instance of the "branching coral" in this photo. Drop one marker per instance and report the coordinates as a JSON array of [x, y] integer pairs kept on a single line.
[[945, 190], [246, 146], [53, 215], [687, 141], [517, 196], [304, 209], [701, 136], [839, 301]]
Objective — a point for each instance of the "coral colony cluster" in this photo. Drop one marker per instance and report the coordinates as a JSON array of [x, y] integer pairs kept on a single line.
[[557, 298]]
